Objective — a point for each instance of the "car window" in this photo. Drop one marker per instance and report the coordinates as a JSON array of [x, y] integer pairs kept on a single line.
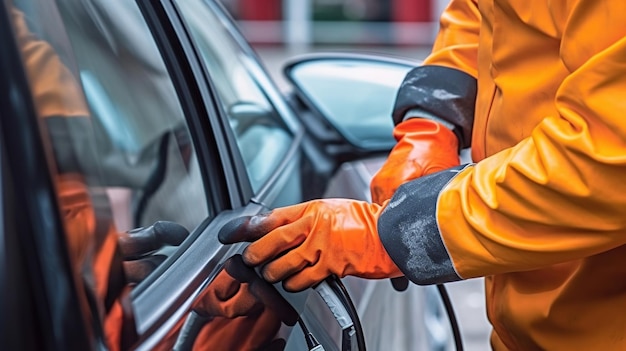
[[262, 137], [121, 149], [145, 158]]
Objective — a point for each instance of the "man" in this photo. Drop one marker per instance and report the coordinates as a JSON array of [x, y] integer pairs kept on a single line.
[[536, 89]]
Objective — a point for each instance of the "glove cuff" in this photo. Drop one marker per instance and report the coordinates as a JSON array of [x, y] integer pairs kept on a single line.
[[426, 129], [418, 113]]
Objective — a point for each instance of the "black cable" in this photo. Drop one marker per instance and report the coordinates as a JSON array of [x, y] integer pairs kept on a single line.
[[311, 342], [341, 291], [447, 303]]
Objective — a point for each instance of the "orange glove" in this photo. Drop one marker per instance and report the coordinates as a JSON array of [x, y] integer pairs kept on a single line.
[[303, 244], [424, 147]]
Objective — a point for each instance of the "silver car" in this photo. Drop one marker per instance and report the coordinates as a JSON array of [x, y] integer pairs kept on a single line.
[[130, 133]]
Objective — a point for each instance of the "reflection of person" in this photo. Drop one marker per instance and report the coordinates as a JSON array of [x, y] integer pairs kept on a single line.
[[536, 91], [56, 94], [140, 131], [92, 241]]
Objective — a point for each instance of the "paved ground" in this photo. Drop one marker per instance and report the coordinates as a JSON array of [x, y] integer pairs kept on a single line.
[[467, 296]]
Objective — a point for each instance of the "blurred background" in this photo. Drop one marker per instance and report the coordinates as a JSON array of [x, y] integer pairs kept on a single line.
[[343, 22], [280, 30]]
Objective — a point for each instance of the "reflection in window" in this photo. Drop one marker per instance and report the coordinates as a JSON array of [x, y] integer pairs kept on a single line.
[[145, 158], [121, 149], [261, 135]]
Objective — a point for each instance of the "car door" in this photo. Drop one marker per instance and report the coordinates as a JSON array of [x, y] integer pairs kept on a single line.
[[261, 134], [117, 135], [129, 130]]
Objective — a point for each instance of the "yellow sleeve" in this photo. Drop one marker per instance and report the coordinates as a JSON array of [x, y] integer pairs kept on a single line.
[[560, 194], [456, 44]]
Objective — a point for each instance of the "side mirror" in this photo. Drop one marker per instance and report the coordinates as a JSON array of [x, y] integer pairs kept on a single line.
[[353, 93]]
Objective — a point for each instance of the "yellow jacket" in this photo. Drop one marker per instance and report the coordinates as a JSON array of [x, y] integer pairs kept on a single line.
[[542, 213]]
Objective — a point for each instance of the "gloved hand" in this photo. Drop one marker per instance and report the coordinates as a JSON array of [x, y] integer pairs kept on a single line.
[[303, 244], [424, 147]]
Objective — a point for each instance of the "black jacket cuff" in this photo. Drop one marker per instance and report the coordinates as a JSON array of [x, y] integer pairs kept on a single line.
[[447, 93], [409, 231]]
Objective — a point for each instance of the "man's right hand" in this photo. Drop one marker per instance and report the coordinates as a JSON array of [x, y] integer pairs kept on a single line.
[[424, 147]]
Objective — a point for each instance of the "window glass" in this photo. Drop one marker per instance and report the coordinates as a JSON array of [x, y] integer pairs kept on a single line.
[[143, 152], [261, 135], [114, 128]]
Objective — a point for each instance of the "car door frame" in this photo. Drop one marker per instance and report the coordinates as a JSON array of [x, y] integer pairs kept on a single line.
[[176, 40], [164, 298]]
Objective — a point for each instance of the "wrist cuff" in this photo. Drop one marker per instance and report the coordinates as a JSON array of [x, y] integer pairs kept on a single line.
[[410, 233], [446, 93]]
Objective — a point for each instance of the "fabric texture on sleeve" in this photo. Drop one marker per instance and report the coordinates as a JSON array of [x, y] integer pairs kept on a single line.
[[409, 232], [559, 194]]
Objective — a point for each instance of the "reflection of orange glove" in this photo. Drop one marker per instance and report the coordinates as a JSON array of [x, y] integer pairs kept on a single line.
[[321, 237], [230, 293], [243, 312], [246, 333], [424, 147]]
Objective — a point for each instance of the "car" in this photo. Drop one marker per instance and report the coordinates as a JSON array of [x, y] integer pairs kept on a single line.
[[131, 133]]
